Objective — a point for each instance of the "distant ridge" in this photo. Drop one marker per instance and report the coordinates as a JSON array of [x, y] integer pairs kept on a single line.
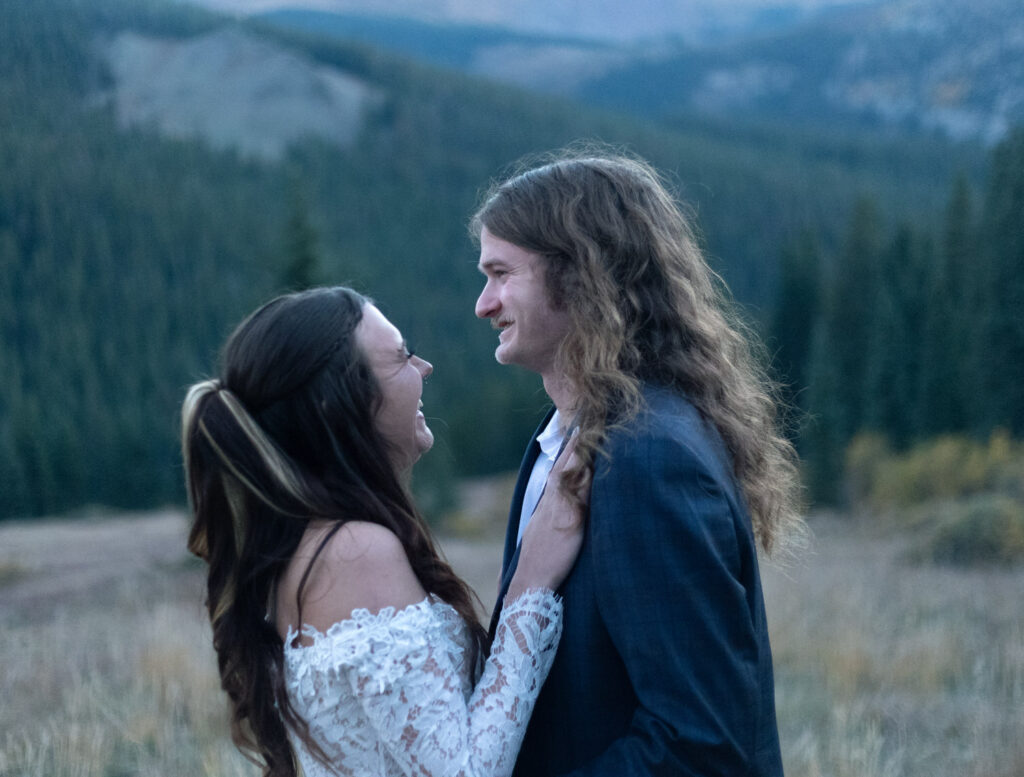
[[699, 22], [949, 67]]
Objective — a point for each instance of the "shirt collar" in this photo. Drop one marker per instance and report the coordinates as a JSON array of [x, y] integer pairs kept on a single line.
[[550, 440]]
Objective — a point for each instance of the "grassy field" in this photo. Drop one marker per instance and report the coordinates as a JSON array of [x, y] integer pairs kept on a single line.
[[884, 668]]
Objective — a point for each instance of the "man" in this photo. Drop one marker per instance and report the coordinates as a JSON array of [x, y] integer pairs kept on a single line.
[[594, 281]]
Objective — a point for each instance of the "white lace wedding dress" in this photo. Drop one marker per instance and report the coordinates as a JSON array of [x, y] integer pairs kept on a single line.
[[392, 693]]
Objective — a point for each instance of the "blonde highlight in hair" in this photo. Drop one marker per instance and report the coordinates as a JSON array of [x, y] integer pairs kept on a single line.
[[622, 258], [274, 462]]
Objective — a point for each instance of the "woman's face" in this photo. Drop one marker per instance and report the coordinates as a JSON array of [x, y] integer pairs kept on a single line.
[[400, 374]]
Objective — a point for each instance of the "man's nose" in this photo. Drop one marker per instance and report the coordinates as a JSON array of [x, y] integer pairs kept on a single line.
[[426, 368], [487, 303]]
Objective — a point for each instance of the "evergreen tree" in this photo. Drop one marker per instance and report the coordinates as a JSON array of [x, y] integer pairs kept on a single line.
[[796, 310], [853, 307], [837, 375], [896, 327], [821, 439], [999, 346], [302, 262], [950, 318]]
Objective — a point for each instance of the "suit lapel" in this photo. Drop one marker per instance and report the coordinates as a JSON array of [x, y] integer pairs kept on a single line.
[[510, 558]]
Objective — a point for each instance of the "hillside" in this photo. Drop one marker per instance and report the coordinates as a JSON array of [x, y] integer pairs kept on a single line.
[[233, 89], [919, 66], [955, 68], [140, 218]]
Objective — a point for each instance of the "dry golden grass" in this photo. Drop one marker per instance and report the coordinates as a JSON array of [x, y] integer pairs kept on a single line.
[[888, 668], [884, 669]]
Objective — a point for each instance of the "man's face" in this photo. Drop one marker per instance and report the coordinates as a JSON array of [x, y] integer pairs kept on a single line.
[[516, 299]]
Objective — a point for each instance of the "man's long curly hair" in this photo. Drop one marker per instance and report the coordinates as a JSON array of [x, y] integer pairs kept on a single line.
[[622, 259], [285, 436]]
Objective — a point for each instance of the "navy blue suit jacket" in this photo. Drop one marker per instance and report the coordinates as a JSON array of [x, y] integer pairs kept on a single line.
[[664, 667]]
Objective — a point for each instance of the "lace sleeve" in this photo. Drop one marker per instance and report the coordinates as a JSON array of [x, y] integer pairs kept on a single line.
[[410, 690]]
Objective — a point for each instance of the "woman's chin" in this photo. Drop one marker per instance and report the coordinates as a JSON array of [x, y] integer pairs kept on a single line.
[[425, 442]]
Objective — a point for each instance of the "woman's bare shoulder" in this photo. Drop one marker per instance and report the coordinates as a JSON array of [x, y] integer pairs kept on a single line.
[[362, 565]]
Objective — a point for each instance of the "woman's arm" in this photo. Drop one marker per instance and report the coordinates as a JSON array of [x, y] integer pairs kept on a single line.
[[401, 661]]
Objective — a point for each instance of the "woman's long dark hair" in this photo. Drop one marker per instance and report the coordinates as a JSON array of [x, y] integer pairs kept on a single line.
[[285, 436]]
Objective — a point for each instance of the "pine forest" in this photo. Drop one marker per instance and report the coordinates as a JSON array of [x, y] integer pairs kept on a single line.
[[885, 274]]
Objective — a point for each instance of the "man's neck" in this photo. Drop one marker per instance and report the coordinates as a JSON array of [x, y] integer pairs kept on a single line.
[[562, 394]]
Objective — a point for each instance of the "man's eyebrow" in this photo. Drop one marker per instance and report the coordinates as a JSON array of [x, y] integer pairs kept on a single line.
[[490, 263]]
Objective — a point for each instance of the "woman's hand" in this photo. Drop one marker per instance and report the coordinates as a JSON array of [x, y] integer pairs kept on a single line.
[[553, 537]]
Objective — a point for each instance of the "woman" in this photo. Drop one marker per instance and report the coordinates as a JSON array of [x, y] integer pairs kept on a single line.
[[344, 641]]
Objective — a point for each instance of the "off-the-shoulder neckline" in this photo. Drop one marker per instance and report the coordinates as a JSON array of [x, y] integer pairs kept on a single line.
[[360, 618]]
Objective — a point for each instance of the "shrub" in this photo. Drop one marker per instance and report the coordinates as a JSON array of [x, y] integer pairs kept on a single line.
[[11, 571], [866, 455], [987, 529], [949, 467]]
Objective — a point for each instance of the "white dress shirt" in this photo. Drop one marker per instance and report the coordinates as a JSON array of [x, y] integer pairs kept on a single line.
[[550, 441]]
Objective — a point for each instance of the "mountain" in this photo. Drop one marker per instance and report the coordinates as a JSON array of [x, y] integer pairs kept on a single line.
[[157, 162], [953, 67], [263, 89]]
